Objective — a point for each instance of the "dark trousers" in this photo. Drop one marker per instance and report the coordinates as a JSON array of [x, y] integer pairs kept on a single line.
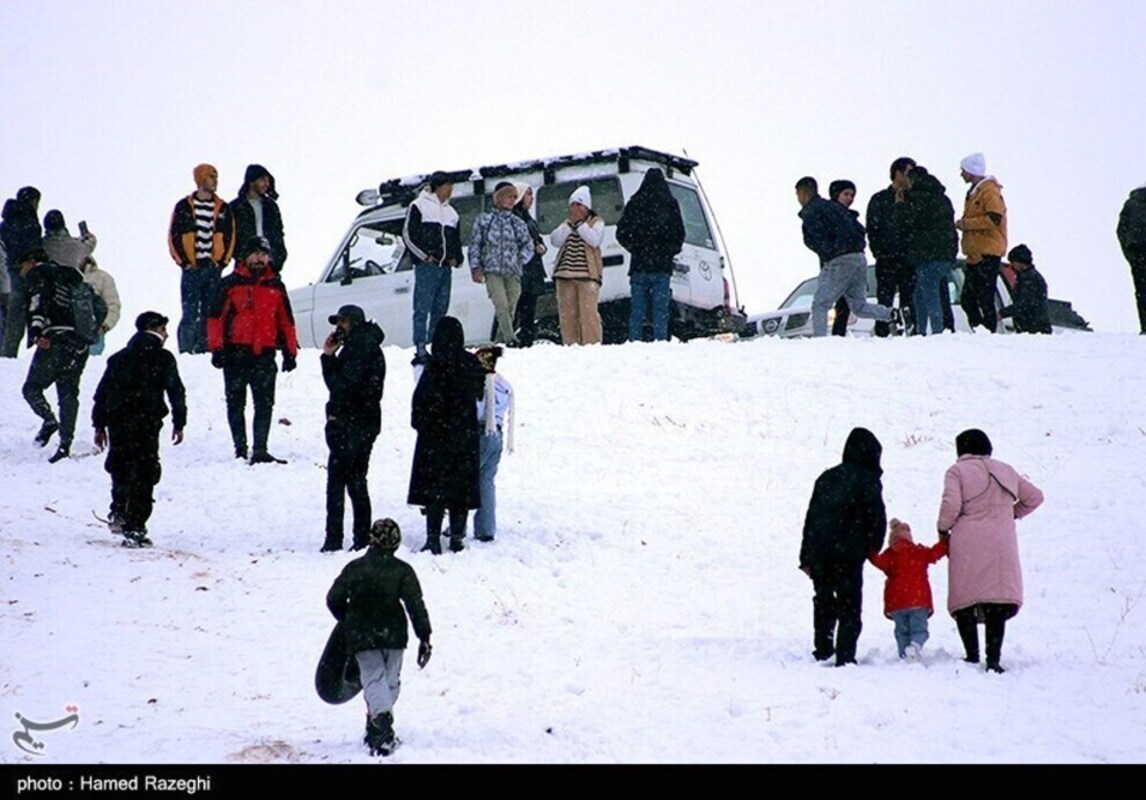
[[525, 317], [346, 468], [198, 288], [994, 617], [894, 276], [979, 288], [62, 365], [241, 369], [1138, 273], [435, 514], [133, 463], [15, 319], [836, 609]]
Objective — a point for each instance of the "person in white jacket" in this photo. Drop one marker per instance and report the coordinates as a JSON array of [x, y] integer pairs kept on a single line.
[[102, 284], [495, 415], [578, 269]]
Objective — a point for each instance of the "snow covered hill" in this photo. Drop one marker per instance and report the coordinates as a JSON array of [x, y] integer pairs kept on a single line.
[[642, 603]]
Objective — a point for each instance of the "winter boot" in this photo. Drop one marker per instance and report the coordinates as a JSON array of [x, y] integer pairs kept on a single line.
[[136, 539], [969, 633], [61, 453], [433, 544], [47, 430], [331, 545], [380, 734], [456, 544]]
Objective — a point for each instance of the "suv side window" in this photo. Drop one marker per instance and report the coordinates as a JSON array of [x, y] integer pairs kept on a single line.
[[469, 209], [374, 248], [696, 230], [552, 206]]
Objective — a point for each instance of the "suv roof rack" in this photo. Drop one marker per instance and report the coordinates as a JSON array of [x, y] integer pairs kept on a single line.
[[403, 190]]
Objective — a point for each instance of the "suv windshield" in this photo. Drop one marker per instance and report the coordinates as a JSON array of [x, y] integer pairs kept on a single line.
[[553, 201]]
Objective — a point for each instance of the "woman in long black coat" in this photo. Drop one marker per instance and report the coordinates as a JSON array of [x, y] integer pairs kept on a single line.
[[444, 477], [846, 522]]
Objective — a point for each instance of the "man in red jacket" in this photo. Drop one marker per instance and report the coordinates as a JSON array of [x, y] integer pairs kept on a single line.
[[250, 319]]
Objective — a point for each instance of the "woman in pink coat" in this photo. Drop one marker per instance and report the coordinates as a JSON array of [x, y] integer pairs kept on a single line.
[[982, 498]]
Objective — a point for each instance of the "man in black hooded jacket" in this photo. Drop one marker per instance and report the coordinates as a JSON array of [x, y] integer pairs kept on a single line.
[[128, 413], [846, 522], [354, 370], [256, 213], [652, 230]]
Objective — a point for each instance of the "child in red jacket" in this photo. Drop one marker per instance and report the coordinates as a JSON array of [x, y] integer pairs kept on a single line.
[[907, 593]]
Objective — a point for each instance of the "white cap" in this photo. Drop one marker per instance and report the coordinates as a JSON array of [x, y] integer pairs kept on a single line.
[[974, 164], [581, 195]]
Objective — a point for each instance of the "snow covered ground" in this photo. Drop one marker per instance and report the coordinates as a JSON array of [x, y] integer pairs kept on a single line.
[[642, 603]]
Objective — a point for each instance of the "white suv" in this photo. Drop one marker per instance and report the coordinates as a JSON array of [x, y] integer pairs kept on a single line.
[[367, 269]]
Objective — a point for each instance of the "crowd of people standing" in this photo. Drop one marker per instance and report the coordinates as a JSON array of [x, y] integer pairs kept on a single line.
[[915, 237]]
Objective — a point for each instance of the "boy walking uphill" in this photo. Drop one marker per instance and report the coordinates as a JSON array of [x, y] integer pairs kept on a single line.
[[373, 596], [907, 593]]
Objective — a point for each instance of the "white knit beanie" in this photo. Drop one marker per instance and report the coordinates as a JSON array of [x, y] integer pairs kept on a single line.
[[974, 164], [581, 195]]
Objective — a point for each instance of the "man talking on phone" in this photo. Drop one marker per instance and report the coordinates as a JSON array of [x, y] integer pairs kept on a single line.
[[354, 370]]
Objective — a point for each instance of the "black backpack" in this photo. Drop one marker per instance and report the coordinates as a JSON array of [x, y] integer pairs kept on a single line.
[[88, 311]]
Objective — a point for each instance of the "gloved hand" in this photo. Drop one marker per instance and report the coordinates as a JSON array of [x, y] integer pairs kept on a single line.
[[424, 652], [289, 362], [217, 359]]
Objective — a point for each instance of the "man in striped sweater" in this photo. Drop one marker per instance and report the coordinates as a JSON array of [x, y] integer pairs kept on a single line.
[[201, 240]]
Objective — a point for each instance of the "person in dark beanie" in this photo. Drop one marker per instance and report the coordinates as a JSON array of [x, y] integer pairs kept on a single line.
[[843, 192], [844, 526], [982, 498], [373, 596], [432, 236], [1029, 308], [651, 228], [250, 319], [838, 240], [57, 297], [444, 475], [354, 370], [256, 213], [1132, 239], [21, 232], [61, 246], [127, 415], [201, 238]]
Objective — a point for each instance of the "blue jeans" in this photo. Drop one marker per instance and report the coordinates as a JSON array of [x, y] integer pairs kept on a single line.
[[929, 282], [649, 288], [844, 276], [198, 288], [431, 299], [489, 456], [910, 628]]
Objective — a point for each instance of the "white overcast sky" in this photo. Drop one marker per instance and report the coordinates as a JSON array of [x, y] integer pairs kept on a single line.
[[107, 107]]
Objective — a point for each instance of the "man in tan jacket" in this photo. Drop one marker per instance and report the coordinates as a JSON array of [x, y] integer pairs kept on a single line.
[[984, 227]]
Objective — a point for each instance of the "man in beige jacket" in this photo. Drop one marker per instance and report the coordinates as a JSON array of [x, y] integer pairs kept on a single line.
[[984, 228]]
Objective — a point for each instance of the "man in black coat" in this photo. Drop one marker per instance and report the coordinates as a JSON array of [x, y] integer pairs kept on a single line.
[[127, 415], [1132, 238], [354, 370], [924, 216], [256, 213], [61, 353], [652, 230], [846, 522], [372, 597], [444, 476], [1030, 308], [892, 272], [20, 229]]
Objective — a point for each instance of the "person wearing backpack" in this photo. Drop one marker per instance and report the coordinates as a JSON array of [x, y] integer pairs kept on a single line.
[[64, 317]]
